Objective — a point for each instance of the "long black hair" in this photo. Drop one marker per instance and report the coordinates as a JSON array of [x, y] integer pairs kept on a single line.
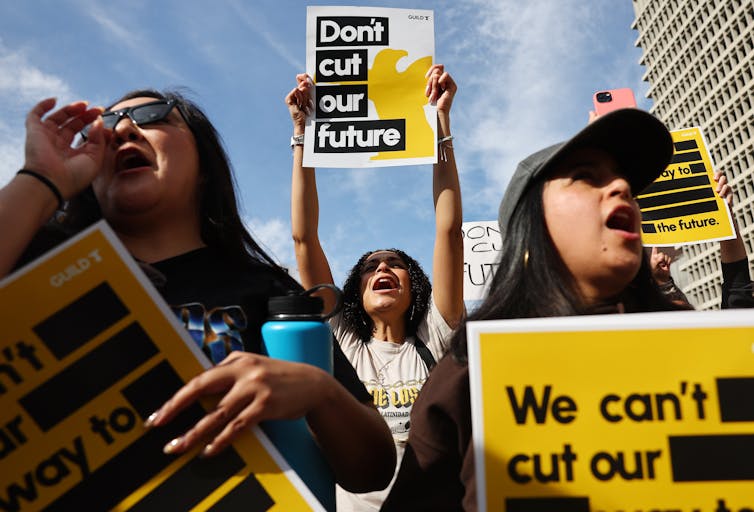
[[221, 224], [532, 280], [357, 319]]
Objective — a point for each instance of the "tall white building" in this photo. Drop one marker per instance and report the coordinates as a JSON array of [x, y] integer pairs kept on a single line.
[[699, 58]]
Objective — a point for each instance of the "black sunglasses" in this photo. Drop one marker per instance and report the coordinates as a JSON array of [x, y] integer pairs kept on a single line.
[[140, 115]]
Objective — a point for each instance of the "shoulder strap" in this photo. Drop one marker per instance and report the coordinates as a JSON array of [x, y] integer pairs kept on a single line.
[[425, 353]]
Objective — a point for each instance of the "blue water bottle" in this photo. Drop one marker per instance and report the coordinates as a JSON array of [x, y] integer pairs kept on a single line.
[[297, 330]]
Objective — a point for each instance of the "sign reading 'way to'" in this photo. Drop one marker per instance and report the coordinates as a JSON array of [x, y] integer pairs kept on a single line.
[[88, 351], [682, 205]]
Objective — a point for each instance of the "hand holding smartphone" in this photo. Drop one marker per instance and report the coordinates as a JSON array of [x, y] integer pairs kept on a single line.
[[613, 99]]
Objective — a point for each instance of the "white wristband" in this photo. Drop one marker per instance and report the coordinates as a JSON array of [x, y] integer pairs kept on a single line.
[[297, 140], [443, 147]]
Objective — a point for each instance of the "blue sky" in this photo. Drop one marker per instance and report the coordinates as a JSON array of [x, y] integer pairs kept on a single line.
[[526, 73]]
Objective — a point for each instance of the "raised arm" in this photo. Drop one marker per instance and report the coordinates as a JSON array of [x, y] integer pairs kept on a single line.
[[447, 261], [313, 266], [737, 284], [29, 200], [730, 250]]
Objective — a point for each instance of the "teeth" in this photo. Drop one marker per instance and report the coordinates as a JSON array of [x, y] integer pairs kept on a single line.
[[383, 283]]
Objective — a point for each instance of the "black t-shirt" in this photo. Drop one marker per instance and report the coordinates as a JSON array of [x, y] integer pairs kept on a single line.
[[737, 286], [204, 280]]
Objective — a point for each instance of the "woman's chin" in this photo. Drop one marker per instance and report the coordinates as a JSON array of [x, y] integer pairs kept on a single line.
[[383, 304]]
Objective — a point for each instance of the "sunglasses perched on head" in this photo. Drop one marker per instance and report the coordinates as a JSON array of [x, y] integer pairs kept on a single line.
[[139, 115]]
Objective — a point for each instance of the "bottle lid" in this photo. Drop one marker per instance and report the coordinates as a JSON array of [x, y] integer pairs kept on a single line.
[[303, 306], [296, 305]]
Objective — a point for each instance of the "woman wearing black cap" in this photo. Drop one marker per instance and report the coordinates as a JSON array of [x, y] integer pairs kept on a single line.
[[571, 245]]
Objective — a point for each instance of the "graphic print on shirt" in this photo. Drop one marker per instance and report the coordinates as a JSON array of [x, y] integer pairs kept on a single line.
[[394, 401], [217, 331]]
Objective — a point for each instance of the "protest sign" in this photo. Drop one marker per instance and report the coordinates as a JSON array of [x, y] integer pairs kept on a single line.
[[88, 351], [481, 251], [369, 67], [613, 413], [682, 205]]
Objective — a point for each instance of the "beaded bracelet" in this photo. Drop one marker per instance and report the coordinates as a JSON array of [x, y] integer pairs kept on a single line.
[[48, 182]]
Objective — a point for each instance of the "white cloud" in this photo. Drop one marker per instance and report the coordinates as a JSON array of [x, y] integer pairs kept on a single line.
[[274, 236], [256, 22], [123, 32], [11, 152], [525, 64], [22, 84]]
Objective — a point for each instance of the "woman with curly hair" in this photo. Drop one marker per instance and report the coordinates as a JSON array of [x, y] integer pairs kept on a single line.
[[394, 324]]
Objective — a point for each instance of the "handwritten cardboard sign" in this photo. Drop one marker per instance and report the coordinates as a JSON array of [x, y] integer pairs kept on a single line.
[[481, 252]]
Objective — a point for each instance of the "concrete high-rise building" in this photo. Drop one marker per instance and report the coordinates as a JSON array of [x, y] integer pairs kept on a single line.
[[699, 58]]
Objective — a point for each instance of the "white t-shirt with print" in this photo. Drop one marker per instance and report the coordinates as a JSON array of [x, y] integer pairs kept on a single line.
[[393, 373]]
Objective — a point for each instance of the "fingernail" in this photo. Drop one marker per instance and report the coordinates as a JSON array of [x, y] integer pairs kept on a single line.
[[151, 419], [172, 446], [208, 450]]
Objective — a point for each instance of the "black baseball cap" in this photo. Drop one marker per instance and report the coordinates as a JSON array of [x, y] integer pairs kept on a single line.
[[639, 142]]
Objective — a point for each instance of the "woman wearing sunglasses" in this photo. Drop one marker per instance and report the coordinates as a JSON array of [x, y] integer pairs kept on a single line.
[[153, 166]]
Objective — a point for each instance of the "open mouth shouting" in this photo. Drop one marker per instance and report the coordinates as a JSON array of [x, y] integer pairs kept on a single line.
[[385, 284], [131, 159], [623, 219]]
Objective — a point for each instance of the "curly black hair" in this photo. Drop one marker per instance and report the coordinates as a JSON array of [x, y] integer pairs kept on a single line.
[[357, 319]]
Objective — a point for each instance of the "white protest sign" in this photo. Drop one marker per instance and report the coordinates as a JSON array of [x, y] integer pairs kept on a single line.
[[481, 251], [369, 66]]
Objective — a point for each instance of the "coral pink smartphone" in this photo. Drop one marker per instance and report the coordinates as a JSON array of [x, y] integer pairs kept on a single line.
[[613, 99]]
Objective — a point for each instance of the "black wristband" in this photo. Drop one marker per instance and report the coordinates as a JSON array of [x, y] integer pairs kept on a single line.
[[48, 182]]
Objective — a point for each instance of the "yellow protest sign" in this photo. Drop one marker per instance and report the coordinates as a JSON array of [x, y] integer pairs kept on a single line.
[[682, 205], [614, 413], [88, 350]]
